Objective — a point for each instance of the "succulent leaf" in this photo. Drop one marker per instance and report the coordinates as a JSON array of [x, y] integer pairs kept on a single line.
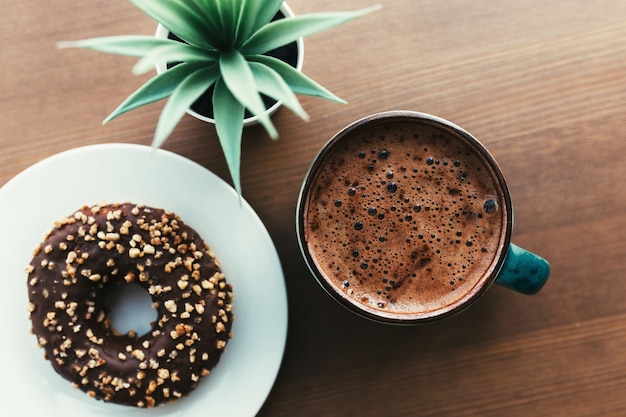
[[265, 13], [179, 18], [228, 114], [128, 45], [284, 31], [271, 83], [159, 87], [297, 81], [239, 79], [208, 13], [246, 20], [171, 53], [228, 11], [185, 94]]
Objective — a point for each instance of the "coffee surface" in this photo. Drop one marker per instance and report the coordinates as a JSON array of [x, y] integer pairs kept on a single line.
[[403, 217]]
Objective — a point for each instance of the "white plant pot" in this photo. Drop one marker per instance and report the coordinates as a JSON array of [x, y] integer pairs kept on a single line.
[[162, 32]]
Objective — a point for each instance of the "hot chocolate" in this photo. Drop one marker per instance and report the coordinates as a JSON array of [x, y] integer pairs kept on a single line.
[[404, 218]]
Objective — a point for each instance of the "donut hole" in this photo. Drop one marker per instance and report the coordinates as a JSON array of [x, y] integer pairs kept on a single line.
[[130, 308]]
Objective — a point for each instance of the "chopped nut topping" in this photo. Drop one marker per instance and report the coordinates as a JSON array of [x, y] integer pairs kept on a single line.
[[138, 354], [95, 277], [114, 237], [171, 306]]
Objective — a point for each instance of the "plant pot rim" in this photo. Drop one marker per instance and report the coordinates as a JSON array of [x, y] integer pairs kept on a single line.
[[162, 32]]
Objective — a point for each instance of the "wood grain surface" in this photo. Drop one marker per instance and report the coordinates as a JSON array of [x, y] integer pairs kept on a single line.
[[541, 83]]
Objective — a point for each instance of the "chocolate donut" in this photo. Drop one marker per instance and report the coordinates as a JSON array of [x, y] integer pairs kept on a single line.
[[98, 248]]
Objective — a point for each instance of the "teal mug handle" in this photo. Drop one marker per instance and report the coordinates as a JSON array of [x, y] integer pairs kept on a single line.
[[523, 271]]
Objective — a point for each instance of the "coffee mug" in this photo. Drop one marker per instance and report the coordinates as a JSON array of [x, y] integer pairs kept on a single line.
[[406, 218]]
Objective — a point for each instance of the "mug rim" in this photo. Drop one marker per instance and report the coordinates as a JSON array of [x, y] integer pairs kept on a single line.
[[482, 285]]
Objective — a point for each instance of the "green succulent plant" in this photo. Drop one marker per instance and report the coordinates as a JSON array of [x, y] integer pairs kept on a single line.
[[224, 46]]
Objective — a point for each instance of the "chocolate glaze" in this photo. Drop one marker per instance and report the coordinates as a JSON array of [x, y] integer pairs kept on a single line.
[[97, 248]]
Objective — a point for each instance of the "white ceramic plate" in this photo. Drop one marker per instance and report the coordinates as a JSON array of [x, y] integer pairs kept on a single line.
[[61, 184]]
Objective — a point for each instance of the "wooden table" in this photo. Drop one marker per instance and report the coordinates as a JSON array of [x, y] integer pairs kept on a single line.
[[541, 83]]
